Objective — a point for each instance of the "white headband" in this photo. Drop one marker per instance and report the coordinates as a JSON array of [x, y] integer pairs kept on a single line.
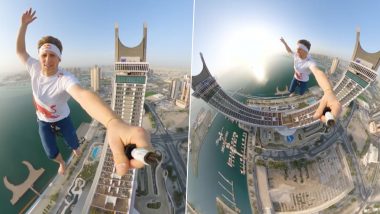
[[303, 47], [50, 47]]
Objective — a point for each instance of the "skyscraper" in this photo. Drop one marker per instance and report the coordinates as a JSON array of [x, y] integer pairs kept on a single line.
[[131, 70], [95, 78], [374, 127], [334, 65], [174, 89], [364, 58], [376, 115], [184, 99], [110, 192]]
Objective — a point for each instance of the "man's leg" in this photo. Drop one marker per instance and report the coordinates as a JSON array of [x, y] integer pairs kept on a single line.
[[69, 134], [303, 87], [50, 145], [292, 88], [62, 168]]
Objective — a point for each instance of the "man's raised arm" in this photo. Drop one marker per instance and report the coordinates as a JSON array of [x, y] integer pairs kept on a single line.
[[286, 46], [27, 18]]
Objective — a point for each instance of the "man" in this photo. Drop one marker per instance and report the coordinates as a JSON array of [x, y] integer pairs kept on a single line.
[[303, 66], [52, 87]]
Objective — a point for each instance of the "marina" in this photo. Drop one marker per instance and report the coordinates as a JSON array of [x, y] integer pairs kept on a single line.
[[228, 188], [235, 151]]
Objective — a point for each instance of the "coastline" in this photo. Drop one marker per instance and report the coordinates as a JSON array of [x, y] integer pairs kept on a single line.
[[250, 167]]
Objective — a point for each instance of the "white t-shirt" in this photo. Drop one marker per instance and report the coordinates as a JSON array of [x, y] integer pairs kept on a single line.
[[50, 93], [302, 67]]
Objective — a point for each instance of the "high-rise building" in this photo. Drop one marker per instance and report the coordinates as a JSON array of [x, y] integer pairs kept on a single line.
[[374, 127], [131, 70], [364, 58], [376, 115], [334, 65], [184, 99], [175, 87], [372, 155], [109, 192], [95, 78]]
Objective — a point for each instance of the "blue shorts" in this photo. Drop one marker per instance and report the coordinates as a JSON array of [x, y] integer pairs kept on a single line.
[[297, 83], [48, 138]]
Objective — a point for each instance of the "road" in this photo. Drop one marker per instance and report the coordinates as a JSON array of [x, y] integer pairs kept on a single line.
[[170, 142]]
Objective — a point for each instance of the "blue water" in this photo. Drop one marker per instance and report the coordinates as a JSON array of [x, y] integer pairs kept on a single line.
[[290, 139], [203, 190], [95, 152]]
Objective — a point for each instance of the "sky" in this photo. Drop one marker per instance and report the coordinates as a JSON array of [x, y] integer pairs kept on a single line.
[[86, 29], [232, 33]]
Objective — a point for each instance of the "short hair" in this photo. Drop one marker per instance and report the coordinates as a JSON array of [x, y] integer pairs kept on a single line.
[[305, 42], [51, 40]]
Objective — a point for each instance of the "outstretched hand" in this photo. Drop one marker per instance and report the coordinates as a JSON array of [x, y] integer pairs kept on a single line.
[[119, 134], [328, 100], [28, 17], [282, 40]]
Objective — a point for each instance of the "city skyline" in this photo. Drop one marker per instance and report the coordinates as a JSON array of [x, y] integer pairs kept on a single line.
[[242, 35], [86, 31]]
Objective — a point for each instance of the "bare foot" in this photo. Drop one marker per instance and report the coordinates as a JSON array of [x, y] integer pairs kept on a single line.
[[77, 152], [292, 94], [61, 169]]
